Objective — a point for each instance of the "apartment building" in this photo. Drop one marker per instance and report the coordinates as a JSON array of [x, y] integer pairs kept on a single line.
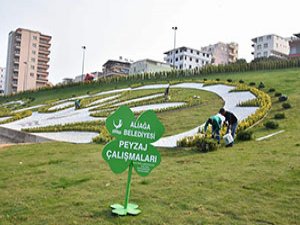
[[270, 46], [116, 68], [295, 46], [148, 66], [222, 53], [187, 58], [2, 80], [27, 60]]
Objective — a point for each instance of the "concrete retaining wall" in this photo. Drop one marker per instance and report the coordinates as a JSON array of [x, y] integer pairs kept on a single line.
[[15, 136]]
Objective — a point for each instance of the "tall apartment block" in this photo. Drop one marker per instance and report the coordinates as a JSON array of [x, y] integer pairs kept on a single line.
[[270, 46], [2, 80], [222, 53], [27, 60], [187, 58]]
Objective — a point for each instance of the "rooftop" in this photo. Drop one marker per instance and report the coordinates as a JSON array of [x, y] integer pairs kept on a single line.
[[185, 48], [111, 61]]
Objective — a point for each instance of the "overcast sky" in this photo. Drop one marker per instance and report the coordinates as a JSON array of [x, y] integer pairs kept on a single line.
[[138, 29]]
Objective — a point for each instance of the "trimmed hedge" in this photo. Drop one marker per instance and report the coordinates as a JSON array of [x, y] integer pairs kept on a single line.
[[286, 105], [271, 124], [279, 116], [244, 135]]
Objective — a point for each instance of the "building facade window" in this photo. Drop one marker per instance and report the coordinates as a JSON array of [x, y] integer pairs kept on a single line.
[[260, 39], [191, 59], [32, 67], [34, 37], [265, 54], [34, 45], [265, 45], [258, 47], [32, 59], [33, 52], [269, 37], [32, 74]]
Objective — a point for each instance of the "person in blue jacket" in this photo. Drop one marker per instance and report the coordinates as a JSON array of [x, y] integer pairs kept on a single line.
[[216, 123]]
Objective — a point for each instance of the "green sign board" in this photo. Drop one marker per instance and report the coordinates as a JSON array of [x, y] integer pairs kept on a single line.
[[132, 148]]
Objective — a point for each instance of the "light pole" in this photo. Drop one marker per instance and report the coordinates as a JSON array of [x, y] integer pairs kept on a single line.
[[83, 56], [174, 28]]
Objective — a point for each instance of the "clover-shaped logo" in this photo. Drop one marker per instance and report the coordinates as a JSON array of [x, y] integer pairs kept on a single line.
[[132, 147]]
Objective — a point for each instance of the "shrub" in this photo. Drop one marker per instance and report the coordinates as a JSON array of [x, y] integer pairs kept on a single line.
[[271, 89], [241, 81], [261, 85], [218, 79], [229, 80], [279, 116], [103, 138], [204, 79], [277, 94], [283, 98], [286, 105], [206, 145], [252, 84], [244, 135], [271, 124]]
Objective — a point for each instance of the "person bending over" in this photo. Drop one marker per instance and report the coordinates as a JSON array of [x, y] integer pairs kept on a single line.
[[230, 120], [215, 122]]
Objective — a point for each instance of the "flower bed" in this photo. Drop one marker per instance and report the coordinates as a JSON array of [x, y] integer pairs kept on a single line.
[[16, 116], [93, 126]]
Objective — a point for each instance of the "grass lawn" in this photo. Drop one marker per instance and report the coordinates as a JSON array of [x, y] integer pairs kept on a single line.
[[180, 120], [251, 183]]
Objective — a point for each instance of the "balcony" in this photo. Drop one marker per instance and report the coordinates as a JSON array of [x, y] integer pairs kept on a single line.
[[43, 50], [41, 80], [15, 84], [44, 44], [45, 38], [18, 46], [42, 58], [42, 73], [43, 66], [18, 38]]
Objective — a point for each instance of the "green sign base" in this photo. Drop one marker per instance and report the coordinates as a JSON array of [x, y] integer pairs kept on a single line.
[[120, 210], [128, 208]]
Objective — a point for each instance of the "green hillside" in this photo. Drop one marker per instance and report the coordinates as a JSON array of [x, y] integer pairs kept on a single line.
[[255, 182]]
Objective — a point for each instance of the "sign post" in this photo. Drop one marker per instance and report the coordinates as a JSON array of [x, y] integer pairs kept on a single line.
[[132, 148]]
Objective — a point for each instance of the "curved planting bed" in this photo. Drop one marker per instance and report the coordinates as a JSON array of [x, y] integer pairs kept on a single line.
[[188, 106]]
